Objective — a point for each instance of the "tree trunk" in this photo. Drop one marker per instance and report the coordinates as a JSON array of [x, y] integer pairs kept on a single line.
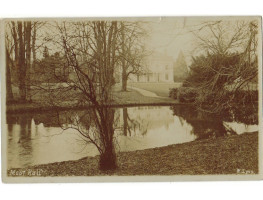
[[108, 156], [124, 67], [21, 64], [108, 159], [9, 92], [124, 82], [125, 121], [16, 49], [34, 46], [28, 57]]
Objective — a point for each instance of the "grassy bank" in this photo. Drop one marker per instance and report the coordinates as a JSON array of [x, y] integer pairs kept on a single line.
[[128, 98], [161, 89], [134, 97], [224, 155]]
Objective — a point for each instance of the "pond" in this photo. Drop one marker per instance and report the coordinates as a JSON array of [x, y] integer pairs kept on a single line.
[[37, 138]]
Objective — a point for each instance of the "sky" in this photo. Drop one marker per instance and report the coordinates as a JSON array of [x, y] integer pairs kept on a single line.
[[166, 35], [169, 35]]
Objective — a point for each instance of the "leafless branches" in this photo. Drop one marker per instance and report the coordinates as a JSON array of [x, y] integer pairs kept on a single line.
[[227, 64]]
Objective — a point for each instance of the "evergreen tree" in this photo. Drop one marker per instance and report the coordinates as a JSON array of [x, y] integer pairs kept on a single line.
[[180, 68], [45, 52]]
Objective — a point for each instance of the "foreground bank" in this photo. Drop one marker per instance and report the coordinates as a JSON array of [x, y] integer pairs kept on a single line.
[[226, 155]]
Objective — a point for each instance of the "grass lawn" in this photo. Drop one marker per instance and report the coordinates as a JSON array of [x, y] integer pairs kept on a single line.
[[130, 97], [161, 89], [133, 97], [225, 155]]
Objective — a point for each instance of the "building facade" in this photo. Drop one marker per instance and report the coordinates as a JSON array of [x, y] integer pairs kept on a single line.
[[159, 69]]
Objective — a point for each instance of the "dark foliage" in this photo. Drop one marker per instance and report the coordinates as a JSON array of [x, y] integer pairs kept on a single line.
[[50, 69], [187, 94], [173, 93], [218, 82]]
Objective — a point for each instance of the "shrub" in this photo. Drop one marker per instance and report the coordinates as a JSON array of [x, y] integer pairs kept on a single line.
[[186, 94], [244, 97], [173, 93]]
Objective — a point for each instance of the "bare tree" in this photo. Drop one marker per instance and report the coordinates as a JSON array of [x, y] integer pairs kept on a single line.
[[228, 62], [18, 52], [132, 51], [218, 38], [27, 38], [90, 50], [9, 92]]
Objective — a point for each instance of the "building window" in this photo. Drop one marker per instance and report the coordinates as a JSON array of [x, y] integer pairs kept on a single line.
[[166, 76], [166, 67], [151, 77], [138, 78]]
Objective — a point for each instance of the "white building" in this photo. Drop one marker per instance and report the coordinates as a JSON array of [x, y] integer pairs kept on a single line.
[[159, 69]]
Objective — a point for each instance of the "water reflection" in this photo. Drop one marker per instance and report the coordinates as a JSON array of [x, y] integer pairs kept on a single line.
[[206, 125], [148, 127], [38, 138]]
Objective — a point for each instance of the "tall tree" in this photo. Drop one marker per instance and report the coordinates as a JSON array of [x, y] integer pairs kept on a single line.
[[9, 68], [226, 63], [123, 61], [132, 51], [28, 48], [180, 68], [34, 35], [9, 92], [90, 50], [21, 61], [45, 52], [19, 54]]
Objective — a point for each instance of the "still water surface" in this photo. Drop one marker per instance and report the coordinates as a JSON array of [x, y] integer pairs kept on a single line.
[[38, 139]]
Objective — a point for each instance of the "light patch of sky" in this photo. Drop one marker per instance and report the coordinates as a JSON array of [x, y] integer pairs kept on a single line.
[[171, 35], [167, 35]]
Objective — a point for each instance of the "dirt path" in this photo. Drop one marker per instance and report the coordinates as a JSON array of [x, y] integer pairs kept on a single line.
[[145, 93]]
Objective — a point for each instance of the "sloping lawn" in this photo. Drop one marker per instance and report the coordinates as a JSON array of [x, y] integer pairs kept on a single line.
[[161, 89]]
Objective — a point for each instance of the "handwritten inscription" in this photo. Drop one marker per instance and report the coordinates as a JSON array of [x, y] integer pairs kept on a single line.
[[28, 172], [244, 171]]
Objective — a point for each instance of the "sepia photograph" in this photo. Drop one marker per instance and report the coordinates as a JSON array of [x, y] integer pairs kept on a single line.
[[131, 99]]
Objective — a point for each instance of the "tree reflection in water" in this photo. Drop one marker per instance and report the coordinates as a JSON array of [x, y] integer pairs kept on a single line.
[[102, 127], [95, 126], [131, 126], [206, 125]]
